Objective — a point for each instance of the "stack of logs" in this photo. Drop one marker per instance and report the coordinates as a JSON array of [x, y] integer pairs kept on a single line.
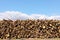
[[29, 29]]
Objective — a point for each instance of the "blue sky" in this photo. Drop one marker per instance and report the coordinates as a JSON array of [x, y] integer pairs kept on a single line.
[[47, 7]]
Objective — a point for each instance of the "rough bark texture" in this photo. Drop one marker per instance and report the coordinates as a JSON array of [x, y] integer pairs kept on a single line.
[[29, 29]]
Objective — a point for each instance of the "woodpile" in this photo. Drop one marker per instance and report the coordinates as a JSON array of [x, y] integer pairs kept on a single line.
[[29, 29]]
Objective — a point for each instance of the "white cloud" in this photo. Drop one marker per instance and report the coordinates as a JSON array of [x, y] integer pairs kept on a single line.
[[14, 15]]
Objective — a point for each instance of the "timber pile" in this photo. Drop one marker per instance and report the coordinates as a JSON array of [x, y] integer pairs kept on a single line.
[[29, 29]]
